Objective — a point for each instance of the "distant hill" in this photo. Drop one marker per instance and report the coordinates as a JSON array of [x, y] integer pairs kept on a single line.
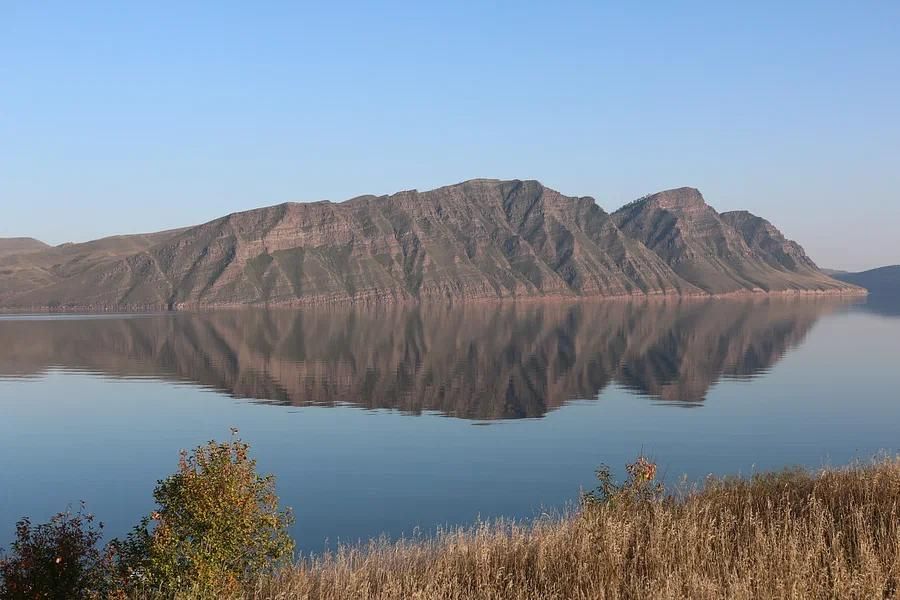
[[20, 245], [881, 281], [479, 239]]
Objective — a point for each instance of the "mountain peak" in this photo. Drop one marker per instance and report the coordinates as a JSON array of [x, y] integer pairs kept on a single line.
[[677, 198]]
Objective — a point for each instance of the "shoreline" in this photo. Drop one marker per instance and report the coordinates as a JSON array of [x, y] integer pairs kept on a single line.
[[368, 301]]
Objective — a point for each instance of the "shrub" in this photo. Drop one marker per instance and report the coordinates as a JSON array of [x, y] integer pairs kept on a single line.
[[216, 529], [57, 560], [641, 485]]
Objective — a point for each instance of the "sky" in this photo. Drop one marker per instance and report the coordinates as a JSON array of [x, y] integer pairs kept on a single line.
[[132, 117]]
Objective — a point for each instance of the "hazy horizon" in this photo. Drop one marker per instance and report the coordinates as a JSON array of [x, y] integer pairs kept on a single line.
[[126, 119]]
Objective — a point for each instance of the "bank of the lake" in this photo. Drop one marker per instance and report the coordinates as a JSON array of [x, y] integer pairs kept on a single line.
[[790, 534], [218, 531]]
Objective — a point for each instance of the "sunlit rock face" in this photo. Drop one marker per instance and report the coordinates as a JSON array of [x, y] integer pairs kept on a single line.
[[722, 253], [481, 239]]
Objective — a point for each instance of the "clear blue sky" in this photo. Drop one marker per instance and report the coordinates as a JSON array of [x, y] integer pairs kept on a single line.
[[137, 116]]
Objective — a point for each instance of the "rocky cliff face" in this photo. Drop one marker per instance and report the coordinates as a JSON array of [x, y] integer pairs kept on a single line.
[[768, 243], [721, 253], [475, 240]]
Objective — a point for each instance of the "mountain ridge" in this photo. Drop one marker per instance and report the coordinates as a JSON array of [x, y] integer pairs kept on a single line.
[[476, 240]]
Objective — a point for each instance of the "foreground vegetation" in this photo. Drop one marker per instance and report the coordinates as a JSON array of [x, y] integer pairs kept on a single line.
[[792, 534]]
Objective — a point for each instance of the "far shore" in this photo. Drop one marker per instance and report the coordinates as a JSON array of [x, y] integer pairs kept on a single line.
[[369, 302]]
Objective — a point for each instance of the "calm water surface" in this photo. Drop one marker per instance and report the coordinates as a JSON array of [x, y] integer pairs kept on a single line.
[[396, 420]]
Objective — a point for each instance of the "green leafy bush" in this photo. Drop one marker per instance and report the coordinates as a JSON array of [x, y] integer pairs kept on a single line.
[[217, 528], [58, 560]]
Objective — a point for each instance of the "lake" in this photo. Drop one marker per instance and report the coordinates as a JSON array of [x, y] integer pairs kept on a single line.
[[396, 420]]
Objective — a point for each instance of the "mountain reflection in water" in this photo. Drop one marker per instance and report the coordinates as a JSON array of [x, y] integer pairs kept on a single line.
[[475, 361]]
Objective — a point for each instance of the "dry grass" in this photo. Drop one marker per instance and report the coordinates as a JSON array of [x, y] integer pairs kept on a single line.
[[832, 534]]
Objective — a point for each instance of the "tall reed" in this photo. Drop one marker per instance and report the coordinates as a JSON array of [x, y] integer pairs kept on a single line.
[[793, 534]]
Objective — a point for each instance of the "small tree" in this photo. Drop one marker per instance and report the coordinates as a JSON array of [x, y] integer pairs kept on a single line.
[[217, 527], [640, 486], [58, 560]]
